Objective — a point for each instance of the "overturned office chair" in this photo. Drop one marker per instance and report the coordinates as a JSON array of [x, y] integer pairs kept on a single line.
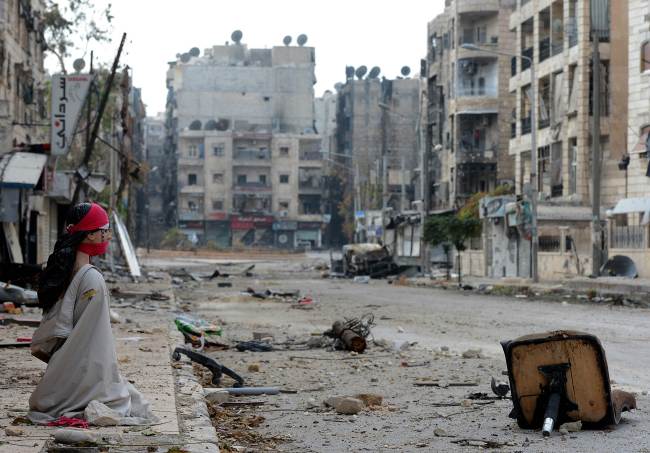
[[559, 377]]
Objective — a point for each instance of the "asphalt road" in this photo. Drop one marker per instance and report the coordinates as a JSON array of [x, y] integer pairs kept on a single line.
[[435, 319]]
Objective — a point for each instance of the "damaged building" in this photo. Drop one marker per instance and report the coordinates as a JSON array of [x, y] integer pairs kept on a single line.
[[241, 125], [468, 100], [377, 142]]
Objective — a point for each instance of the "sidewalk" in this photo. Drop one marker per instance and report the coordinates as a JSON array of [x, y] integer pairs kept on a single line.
[[143, 340]]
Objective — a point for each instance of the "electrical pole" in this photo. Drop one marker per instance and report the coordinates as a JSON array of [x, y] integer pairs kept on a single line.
[[534, 177], [596, 239], [402, 205]]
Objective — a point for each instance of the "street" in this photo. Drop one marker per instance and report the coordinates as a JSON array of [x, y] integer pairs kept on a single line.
[[431, 320]]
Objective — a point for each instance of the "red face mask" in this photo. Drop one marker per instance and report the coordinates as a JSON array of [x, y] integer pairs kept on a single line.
[[94, 249]]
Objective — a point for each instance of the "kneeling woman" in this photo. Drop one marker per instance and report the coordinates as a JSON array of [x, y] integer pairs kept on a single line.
[[75, 336]]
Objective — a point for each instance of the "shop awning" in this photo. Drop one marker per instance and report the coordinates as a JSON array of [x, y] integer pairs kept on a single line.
[[629, 205], [21, 170]]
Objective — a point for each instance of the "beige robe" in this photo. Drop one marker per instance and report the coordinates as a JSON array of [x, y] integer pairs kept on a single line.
[[84, 367]]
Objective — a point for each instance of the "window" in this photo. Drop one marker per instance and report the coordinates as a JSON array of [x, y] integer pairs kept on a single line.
[[262, 179], [241, 179], [284, 179], [191, 179], [192, 206], [645, 56], [193, 151], [284, 151], [217, 178], [217, 151], [217, 205], [284, 205]]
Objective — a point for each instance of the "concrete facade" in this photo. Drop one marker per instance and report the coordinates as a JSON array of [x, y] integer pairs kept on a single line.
[[378, 119], [468, 100], [241, 124], [154, 140]]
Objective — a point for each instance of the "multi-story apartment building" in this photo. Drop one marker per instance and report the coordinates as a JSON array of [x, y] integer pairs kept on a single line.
[[377, 123], [22, 76], [249, 163], [468, 101], [155, 208]]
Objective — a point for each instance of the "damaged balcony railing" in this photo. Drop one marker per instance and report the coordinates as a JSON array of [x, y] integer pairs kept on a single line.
[[629, 237]]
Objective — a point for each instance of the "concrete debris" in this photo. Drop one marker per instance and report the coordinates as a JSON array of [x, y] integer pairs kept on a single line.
[[362, 279], [344, 405], [74, 436], [466, 403], [216, 396], [14, 432], [370, 399], [439, 432], [572, 427], [115, 318], [400, 329], [472, 354], [254, 367], [499, 388]]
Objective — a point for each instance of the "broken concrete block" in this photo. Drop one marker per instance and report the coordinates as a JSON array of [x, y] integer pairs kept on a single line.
[[344, 404], [572, 427], [216, 396], [74, 436], [472, 354], [439, 432], [370, 399], [13, 431]]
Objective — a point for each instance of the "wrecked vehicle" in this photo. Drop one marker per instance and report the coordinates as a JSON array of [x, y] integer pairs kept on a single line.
[[374, 260]]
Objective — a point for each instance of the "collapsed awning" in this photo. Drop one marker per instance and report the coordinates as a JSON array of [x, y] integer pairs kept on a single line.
[[629, 205], [21, 169]]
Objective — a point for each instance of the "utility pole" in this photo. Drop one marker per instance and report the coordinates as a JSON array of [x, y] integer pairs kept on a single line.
[[384, 197], [596, 237], [534, 177]]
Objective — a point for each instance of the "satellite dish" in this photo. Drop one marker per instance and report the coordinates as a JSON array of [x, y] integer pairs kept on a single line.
[[195, 52], [236, 36], [338, 86], [360, 72], [405, 71], [79, 64], [195, 125], [349, 72], [374, 72], [302, 40], [178, 55], [211, 125], [185, 57], [287, 40], [223, 124]]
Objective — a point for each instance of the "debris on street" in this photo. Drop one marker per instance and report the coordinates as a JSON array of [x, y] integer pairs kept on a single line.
[[351, 334]]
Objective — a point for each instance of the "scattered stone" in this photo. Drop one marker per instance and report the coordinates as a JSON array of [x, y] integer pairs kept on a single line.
[[472, 354], [216, 396], [444, 348], [254, 367], [344, 404], [400, 329], [439, 432], [572, 427], [115, 318], [13, 431], [521, 296], [370, 399], [74, 436]]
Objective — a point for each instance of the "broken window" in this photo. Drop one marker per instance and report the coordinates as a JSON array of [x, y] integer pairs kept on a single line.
[[217, 205], [241, 179], [544, 167], [556, 169], [284, 205], [217, 178], [544, 102], [262, 179], [573, 90], [284, 179], [525, 110], [284, 151], [573, 165], [217, 151], [191, 179]]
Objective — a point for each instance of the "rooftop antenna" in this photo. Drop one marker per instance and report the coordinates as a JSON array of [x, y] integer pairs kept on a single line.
[[302, 40], [360, 72], [405, 71], [287, 40], [237, 36], [374, 72]]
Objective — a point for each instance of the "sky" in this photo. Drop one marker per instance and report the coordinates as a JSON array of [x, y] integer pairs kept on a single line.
[[343, 32]]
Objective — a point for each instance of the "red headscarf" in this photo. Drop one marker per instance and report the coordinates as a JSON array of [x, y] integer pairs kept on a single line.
[[95, 219]]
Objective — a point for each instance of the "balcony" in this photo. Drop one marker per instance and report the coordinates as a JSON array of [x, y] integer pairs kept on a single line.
[[185, 214], [485, 6], [311, 155], [480, 91], [191, 188], [190, 162], [252, 157], [251, 187]]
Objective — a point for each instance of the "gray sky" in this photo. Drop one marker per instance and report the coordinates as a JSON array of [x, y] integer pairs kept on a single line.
[[343, 32]]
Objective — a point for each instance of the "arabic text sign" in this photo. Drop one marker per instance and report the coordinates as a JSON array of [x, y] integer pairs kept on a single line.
[[69, 94]]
